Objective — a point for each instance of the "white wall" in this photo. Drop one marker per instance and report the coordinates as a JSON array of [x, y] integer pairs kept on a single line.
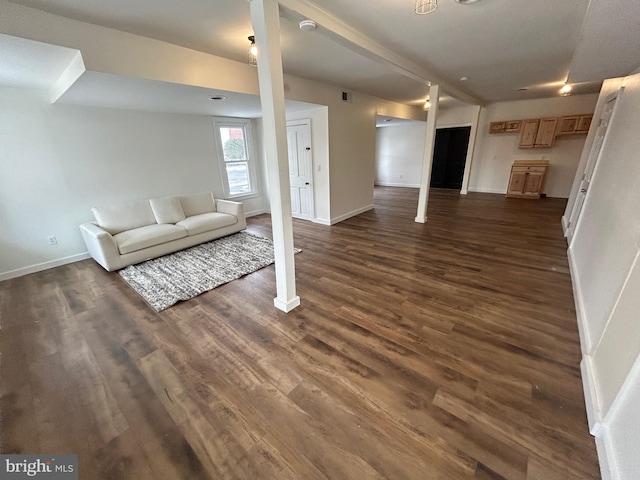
[[352, 141], [605, 269], [495, 153], [57, 161], [399, 151], [319, 118], [105, 136]]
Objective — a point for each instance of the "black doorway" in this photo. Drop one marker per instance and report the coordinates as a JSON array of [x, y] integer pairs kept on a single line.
[[449, 157]]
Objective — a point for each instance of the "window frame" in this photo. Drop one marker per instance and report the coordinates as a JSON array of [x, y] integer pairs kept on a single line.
[[252, 164]]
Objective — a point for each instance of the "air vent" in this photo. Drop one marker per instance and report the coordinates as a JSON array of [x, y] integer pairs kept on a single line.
[[347, 97]]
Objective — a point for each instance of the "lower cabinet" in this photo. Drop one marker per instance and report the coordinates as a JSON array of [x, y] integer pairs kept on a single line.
[[527, 178]]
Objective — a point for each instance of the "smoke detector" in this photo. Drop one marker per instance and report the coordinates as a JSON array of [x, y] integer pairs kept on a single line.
[[308, 25]]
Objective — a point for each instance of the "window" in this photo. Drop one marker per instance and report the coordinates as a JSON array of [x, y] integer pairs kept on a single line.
[[235, 148]]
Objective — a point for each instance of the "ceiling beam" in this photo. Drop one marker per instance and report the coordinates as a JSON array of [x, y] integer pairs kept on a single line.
[[357, 42]]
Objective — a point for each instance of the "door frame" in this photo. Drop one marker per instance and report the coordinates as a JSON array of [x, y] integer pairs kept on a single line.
[[306, 122], [473, 134]]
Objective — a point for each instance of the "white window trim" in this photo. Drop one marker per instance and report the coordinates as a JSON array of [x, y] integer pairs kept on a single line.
[[252, 161]]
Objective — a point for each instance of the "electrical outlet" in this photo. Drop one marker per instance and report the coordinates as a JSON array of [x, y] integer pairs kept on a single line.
[[52, 240]]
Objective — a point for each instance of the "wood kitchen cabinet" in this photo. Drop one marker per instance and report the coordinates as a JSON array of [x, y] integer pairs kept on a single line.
[[538, 133], [527, 178]]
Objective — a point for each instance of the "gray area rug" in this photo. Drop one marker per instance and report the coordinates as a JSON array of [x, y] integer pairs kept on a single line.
[[183, 275]]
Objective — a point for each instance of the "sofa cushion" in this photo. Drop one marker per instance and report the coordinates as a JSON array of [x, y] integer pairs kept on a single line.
[[143, 237], [167, 209], [207, 221], [125, 216], [197, 203]]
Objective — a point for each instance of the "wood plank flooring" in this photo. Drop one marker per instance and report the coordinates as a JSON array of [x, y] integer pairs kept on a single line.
[[447, 350]]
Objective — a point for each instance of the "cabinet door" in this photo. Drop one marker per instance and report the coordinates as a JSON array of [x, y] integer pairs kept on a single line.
[[496, 127], [546, 133], [517, 181], [584, 123], [533, 184], [568, 125], [528, 133]]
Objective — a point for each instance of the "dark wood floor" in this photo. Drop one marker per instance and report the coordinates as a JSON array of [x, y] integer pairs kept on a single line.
[[440, 351]]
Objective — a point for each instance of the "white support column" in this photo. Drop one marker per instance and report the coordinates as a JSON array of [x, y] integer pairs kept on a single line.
[[266, 27], [427, 157]]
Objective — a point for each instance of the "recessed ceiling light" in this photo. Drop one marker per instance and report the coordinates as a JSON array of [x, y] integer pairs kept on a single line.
[[523, 89], [215, 98], [466, 2], [464, 79]]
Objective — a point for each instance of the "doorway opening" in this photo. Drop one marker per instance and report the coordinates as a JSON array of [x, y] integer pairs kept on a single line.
[[449, 157]]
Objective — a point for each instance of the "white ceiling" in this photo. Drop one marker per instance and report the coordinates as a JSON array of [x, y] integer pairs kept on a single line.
[[501, 46]]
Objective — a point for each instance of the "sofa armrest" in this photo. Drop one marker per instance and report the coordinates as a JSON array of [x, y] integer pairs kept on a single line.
[[101, 245], [232, 208]]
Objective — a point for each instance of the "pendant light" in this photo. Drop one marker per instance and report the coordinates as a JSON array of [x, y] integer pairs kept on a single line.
[[425, 6], [253, 52]]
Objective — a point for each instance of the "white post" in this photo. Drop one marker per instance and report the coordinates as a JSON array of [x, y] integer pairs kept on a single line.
[[266, 27], [427, 156]]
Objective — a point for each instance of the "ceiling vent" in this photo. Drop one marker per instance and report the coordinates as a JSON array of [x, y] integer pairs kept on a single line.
[[308, 25]]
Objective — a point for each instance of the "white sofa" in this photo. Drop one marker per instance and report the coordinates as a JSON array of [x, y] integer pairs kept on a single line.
[[137, 231]]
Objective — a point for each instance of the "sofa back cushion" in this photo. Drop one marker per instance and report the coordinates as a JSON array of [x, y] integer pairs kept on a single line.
[[197, 203], [125, 216], [167, 209]]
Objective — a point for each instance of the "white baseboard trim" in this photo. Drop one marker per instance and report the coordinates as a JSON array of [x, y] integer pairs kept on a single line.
[[403, 185], [585, 339], [605, 457], [322, 221], [256, 212], [286, 306], [487, 190], [590, 397], [351, 214], [565, 225], [38, 267]]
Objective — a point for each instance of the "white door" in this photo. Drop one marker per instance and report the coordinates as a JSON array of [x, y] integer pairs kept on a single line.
[[592, 161], [300, 169]]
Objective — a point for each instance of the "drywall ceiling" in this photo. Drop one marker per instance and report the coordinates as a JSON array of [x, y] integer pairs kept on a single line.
[[507, 49]]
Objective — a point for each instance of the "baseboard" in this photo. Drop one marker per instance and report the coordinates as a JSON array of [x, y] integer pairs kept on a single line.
[[322, 221], [256, 212], [402, 185], [565, 225], [605, 457], [590, 397], [351, 214], [585, 340], [43, 266], [487, 190]]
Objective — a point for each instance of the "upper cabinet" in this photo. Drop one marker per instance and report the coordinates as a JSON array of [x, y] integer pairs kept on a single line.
[[542, 132], [574, 124], [538, 133]]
